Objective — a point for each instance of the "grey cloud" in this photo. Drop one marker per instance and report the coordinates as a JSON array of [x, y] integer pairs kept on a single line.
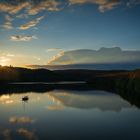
[[103, 55], [132, 2]]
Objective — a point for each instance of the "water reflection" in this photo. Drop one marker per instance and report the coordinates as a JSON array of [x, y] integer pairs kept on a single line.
[[20, 133], [101, 100], [5, 99], [27, 134], [21, 120], [67, 115]]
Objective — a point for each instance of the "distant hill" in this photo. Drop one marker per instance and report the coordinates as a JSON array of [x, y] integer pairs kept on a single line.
[[98, 66], [17, 74]]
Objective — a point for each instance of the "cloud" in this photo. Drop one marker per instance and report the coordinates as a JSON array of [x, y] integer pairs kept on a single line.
[[10, 55], [19, 7], [22, 38], [31, 7], [109, 5], [27, 134], [37, 58], [34, 7], [31, 23], [103, 5], [132, 3], [8, 22], [24, 9], [103, 55], [50, 5], [8, 18], [12, 8], [4, 59], [20, 16], [19, 120], [53, 49], [56, 57], [7, 25]]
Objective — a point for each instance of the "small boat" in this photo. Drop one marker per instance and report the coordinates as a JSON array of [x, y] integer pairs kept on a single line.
[[25, 98]]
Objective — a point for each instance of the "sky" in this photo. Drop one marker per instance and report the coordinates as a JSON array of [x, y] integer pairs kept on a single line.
[[39, 31]]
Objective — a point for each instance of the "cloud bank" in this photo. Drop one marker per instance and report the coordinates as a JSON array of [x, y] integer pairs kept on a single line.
[[103, 55]]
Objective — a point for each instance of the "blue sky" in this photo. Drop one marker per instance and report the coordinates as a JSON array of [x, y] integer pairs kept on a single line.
[[35, 32]]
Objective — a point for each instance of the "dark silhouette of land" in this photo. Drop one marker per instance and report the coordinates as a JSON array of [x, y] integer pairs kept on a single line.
[[17, 74], [21, 80]]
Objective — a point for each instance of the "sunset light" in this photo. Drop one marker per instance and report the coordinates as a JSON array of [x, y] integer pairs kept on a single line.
[[69, 69]]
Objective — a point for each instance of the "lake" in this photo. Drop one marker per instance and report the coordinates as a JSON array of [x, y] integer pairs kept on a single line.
[[68, 115]]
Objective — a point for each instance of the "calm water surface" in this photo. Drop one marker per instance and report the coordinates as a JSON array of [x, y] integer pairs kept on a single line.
[[68, 115]]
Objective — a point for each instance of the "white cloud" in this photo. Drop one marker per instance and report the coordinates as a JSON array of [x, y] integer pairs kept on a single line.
[[10, 55], [20, 16], [53, 49], [37, 58], [56, 57], [7, 25], [50, 5], [32, 23], [8, 22], [4, 59], [108, 6], [31, 7], [11, 8], [103, 5], [22, 38]]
